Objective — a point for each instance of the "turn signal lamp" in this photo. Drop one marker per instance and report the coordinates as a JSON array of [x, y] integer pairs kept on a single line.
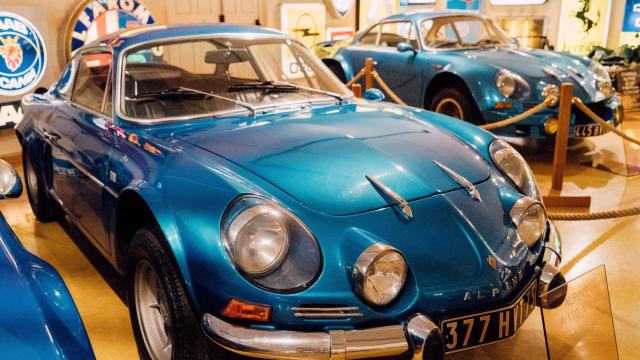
[[239, 309], [551, 126], [502, 105]]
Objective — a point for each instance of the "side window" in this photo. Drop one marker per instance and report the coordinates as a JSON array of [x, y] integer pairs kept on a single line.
[[91, 81], [396, 32], [371, 36]]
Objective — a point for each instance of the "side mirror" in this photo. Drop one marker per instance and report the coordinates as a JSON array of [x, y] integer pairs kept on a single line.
[[373, 95], [10, 183], [404, 47]]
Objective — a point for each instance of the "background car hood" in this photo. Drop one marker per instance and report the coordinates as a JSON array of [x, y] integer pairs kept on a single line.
[[321, 156], [536, 65]]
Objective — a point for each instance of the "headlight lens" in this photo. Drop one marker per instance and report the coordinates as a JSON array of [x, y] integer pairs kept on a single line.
[[513, 165], [511, 85], [530, 219], [269, 245], [380, 274], [258, 239], [603, 80]]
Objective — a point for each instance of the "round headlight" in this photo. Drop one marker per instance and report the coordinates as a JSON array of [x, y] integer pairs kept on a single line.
[[506, 83], [258, 239], [530, 219], [514, 166], [380, 274]]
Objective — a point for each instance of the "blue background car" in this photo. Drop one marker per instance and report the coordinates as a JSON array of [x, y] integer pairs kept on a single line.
[[38, 318], [255, 205], [463, 65]]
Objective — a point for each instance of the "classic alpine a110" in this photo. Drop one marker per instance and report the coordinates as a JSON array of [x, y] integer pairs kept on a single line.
[[256, 207], [463, 65]]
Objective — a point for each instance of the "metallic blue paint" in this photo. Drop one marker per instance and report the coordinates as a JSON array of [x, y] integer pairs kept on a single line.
[[38, 318], [312, 160], [410, 76]]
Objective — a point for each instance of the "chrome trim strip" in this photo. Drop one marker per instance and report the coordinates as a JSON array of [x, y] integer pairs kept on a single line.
[[392, 195], [327, 312], [323, 315], [461, 180], [381, 341], [319, 309]]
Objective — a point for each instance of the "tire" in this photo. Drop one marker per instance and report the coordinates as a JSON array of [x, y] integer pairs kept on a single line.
[[457, 103], [43, 206], [175, 323], [338, 71]]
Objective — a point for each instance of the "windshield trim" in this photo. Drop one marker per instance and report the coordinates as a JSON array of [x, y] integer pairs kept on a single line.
[[119, 85], [482, 18]]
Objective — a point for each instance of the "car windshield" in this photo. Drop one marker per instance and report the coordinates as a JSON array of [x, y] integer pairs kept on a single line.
[[202, 77], [452, 32]]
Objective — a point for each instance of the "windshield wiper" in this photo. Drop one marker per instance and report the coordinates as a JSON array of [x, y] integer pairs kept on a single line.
[[182, 90], [487, 42], [323, 92], [264, 86]]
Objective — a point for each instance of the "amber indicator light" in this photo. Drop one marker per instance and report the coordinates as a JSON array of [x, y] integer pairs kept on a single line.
[[239, 309], [502, 105]]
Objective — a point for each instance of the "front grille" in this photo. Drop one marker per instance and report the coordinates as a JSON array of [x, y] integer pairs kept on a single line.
[[527, 105], [324, 312], [601, 108]]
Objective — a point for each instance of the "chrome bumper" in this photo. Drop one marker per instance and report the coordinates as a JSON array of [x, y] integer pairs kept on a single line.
[[420, 335], [552, 288]]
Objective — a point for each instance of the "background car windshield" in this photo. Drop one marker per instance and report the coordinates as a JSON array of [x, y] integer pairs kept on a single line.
[[171, 80], [462, 31]]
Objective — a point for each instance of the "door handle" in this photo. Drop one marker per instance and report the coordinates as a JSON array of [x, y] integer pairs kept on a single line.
[[50, 137]]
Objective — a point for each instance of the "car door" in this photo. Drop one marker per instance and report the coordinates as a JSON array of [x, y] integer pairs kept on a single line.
[[80, 140], [355, 53], [403, 72]]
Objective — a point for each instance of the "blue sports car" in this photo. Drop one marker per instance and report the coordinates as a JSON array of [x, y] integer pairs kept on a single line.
[[255, 206], [38, 318], [463, 65]]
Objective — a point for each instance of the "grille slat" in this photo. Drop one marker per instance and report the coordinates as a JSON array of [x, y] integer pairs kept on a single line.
[[326, 312]]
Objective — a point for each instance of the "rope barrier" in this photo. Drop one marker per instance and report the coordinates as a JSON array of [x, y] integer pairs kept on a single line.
[[506, 122], [577, 102], [386, 88], [611, 214], [356, 78]]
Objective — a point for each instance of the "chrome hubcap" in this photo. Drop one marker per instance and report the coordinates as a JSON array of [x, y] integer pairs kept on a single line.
[[451, 107], [153, 316]]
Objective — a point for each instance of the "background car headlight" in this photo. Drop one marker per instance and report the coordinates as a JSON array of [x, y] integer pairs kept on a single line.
[[269, 245], [514, 166], [530, 219], [258, 239], [603, 80], [511, 85], [380, 274]]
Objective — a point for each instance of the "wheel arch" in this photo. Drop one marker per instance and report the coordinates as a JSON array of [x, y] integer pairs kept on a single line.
[[450, 79], [332, 63]]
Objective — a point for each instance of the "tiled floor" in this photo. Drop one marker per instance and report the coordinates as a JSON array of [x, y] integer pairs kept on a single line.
[[615, 243]]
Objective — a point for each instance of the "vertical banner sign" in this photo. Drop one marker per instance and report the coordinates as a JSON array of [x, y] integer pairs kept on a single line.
[[305, 23], [95, 18], [373, 10], [583, 25], [631, 21]]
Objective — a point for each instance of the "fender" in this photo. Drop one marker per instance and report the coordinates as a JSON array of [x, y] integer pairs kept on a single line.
[[348, 70]]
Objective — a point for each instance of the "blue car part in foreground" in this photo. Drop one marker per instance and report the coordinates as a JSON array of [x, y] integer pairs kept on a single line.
[[254, 205], [463, 65], [38, 318]]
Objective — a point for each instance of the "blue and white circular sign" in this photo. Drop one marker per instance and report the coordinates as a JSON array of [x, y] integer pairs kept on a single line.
[[23, 55]]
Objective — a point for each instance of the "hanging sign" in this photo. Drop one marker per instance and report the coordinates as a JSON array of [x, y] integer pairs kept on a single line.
[[584, 25], [463, 4], [23, 55], [631, 22], [95, 18]]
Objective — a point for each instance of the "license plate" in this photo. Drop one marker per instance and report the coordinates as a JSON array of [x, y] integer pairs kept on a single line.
[[589, 130], [488, 327]]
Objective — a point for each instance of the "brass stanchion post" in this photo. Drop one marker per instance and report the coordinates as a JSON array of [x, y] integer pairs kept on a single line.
[[368, 74], [357, 90]]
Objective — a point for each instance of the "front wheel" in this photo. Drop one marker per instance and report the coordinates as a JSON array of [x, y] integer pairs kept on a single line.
[[43, 206], [455, 102], [164, 324]]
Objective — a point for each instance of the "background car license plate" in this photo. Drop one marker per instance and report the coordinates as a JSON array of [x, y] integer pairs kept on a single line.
[[487, 327], [590, 130]]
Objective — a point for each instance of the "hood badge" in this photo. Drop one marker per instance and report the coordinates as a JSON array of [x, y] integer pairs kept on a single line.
[[492, 262], [461, 180], [392, 197]]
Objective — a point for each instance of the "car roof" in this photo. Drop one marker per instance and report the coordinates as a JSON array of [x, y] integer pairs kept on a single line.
[[149, 33], [417, 15]]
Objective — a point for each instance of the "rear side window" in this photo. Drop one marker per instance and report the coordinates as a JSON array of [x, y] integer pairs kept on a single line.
[[92, 81], [371, 37]]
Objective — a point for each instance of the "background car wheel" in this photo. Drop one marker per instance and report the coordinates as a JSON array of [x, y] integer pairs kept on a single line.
[[42, 205], [164, 323], [337, 70], [456, 103]]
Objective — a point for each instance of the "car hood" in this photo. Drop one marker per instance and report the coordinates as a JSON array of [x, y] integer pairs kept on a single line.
[[322, 156], [536, 65]]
